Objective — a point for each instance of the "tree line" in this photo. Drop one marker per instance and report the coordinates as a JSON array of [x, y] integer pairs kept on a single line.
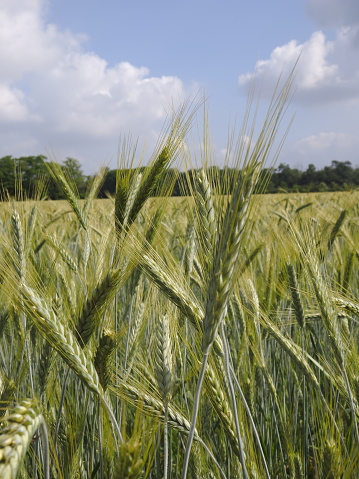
[[29, 177]]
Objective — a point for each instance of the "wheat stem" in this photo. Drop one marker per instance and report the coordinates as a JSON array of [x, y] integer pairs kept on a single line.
[[194, 415]]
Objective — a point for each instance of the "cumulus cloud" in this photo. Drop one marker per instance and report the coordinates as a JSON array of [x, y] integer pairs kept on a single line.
[[328, 70], [324, 141], [313, 70], [12, 108], [53, 91]]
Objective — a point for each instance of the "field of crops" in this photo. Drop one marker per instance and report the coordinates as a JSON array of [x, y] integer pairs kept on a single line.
[[102, 336], [209, 336]]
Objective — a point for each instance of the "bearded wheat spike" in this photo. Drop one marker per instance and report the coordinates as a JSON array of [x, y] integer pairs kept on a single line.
[[335, 230], [190, 241], [155, 407], [106, 347], [19, 245], [187, 305], [95, 305], [347, 305], [31, 224], [16, 437], [164, 359], [132, 193], [206, 211], [61, 339], [64, 342], [226, 259], [294, 289], [60, 179], [221, 405], [135, 328], [65, 255]]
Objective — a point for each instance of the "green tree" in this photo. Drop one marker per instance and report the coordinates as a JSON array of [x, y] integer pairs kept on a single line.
[[73, 170], [31, 170], [22, 176], [7, 175]]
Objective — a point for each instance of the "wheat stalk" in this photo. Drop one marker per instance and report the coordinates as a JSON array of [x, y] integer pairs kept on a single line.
[[225, 262]]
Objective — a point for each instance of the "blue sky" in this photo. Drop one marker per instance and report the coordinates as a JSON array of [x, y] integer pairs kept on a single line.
[[78, 75]]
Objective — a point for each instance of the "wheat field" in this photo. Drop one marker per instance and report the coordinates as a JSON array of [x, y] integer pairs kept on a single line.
[[212, 335]]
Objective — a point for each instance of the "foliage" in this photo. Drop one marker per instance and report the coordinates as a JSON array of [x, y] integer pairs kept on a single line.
[[27, 177], [24, 174], [339, 176]]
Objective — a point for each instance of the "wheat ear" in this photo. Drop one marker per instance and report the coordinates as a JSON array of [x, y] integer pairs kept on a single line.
[[64, 185], [19, 245], [96, 304], [65, 255], [294, 289], [151, 406], [16, 437], [222, 280], [179, 295], [206, 212], [64, 342], [164, 375], [60, 338], [102, 362], [163, 357], [335, 230], [185, 302]]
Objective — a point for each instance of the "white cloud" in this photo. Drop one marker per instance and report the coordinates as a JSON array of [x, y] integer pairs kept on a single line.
[[324, 141], [28, 44], [12, 107], [88, 97], [312, 71], [326, 85], [328, 70], [52, 91]]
